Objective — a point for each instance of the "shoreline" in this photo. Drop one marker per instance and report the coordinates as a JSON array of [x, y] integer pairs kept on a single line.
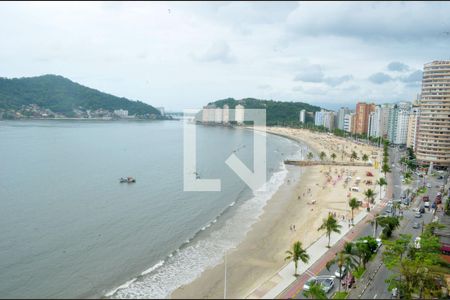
[[261, 254]]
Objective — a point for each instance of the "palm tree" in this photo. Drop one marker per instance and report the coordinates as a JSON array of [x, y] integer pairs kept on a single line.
[[374, 223], [322, 155], [353, 156], [315, 292], [333, 156], [297, 253], [310, 156], [365, 157], [385, 169], [381, 182], [342, 259], [370, 194], [354, 204], [330, 225]]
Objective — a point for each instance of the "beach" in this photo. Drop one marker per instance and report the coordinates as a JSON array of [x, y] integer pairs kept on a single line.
[[307, 196]]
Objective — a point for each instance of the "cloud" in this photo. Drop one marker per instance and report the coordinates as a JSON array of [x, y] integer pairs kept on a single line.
[[379, 20], [398, 67], [310, 73], [380, 78], [264, 86], [335, 81], [219, 51], [298, 88], [414, 77]]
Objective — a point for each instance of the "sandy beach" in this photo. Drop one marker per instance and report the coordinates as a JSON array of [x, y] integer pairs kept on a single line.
[[306, 197]]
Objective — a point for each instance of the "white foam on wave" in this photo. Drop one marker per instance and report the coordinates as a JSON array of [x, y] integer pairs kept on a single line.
[[123, 286], [188, 263], [233, 203], [157, 265]]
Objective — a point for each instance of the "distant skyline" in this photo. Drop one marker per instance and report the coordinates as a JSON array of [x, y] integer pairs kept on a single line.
[[184, 55]]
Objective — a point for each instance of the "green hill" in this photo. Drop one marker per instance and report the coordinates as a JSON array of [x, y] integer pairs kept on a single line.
[[63, 96], [277, 112]]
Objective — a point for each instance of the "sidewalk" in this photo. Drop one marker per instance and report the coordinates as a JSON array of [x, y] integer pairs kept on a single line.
[[281, 285]]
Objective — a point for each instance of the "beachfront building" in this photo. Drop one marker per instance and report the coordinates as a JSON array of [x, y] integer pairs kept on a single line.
[[318, 118], [363, 111], [412, 128], [433, 131], [205, 114], [398, 123], [226, 114], [324, 118], [121, 113], [302, 116], [384, 119], [340, 117], [239, 114], [218, 115], [348, 122], [374, 122], [162, 111], [328, 120]]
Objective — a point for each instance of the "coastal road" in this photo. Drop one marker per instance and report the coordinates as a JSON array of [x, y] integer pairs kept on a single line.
[[375, 287]]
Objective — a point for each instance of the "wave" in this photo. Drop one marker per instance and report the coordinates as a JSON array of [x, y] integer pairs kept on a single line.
[[196, 255]]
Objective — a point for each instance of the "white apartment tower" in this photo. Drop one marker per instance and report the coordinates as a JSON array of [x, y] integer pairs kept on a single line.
[[433, 131], [302, 116], [239, 114], [226, 114]]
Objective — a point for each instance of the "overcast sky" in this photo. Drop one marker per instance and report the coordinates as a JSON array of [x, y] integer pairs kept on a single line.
[[183, 55]]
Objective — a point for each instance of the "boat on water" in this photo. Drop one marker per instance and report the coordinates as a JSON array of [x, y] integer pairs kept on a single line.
[[127, 180]]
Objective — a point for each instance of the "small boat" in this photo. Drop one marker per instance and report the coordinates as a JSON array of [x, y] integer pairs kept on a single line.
[[127, 180]]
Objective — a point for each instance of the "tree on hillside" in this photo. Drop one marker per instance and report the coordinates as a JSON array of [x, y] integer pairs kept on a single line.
[[322, 155]]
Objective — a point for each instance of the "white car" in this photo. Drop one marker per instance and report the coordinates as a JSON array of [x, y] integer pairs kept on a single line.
[[342, 274], [379, 243], [309, 282], [417, 242], [428, 185], [327, 285]]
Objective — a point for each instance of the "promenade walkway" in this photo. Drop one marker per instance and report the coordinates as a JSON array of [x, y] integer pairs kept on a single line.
[[285, 285]]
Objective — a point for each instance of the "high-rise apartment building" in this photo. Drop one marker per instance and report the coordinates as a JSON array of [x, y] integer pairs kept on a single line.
[[412, 128], [302, 116], [362, 112], [239, 113], [226, 114], [340, 117], [348, 122], [433, 134], [398, 123]]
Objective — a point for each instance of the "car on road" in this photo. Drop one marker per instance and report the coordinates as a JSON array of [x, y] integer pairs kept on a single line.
[[426, 204], [422, 209], [416, 225], [417, 242], [309, 283], [327, 285], [342, 272], [418, 214], [428, 185], [379, 243]]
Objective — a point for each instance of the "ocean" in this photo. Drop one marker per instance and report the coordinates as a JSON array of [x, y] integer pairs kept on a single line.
[[69, 229]]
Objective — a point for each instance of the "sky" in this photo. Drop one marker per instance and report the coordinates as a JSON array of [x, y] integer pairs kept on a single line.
[[185, 54]]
